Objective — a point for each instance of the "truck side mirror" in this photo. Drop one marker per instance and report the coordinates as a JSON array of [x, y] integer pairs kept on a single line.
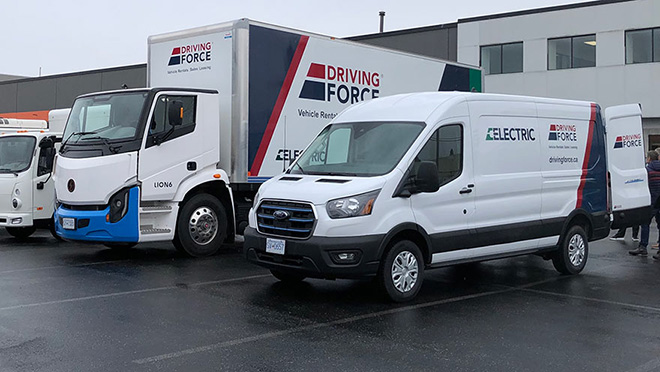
[[175, 113], [46, 143], [427, 177]]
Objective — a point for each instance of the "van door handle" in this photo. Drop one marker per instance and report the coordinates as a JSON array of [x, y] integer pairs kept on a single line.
[[465, 190]]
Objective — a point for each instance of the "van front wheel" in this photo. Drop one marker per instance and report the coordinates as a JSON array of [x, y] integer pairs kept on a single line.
[[402, 272], [21, 232], [573, 251]]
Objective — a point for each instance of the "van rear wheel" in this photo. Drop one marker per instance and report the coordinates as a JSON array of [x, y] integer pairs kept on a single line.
[[402, 272], [21, 232], [201, 227], [571, 257]]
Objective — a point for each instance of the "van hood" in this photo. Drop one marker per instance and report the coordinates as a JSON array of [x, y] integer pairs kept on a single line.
[[317, 189]]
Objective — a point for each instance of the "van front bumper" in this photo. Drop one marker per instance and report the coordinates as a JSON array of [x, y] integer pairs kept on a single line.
[[92, 226], [316, 257]]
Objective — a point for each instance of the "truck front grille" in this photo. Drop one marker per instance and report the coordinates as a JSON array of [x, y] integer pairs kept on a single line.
[[287, 219]]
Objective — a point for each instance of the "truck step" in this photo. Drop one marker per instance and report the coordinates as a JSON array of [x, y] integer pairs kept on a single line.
[[156, 209], [151, 230]]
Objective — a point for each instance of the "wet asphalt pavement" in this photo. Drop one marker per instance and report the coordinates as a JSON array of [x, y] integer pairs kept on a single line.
[[74, 307]]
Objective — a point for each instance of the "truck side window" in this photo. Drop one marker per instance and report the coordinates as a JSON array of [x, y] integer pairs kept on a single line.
[[45, 163], [160, 124], [445, 148]]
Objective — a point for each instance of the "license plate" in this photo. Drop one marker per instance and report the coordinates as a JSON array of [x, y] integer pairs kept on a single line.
[[69, 223], [275, 246]]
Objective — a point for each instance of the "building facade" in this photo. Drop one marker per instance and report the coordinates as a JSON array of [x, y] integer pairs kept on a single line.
[[602, 51]]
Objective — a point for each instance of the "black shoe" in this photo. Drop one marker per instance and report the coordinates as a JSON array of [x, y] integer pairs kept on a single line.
[[656, 256], [641, 251]]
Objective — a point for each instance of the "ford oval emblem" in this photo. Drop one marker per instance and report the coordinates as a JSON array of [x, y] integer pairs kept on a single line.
[[281, 215], [71, 185]]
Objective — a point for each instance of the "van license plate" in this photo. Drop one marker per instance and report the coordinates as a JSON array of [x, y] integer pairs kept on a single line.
[[275, 246], [68, 223]]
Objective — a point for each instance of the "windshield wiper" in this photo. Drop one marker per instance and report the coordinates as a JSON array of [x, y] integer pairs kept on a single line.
[[77, 134], [112, 149], [7, 170], [302, 171]]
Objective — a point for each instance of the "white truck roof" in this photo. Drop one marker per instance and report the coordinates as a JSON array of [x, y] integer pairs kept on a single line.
[[18, 124]]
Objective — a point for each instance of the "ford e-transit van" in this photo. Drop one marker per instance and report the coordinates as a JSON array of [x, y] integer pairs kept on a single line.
[[398, 185]]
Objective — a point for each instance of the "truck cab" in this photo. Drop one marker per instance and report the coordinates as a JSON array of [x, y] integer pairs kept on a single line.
[[27, 151]]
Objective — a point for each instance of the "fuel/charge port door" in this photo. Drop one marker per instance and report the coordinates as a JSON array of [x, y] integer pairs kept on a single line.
[[626, 155]]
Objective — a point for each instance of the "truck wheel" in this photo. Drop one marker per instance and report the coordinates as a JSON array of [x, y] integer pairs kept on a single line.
[[201, 227], [571, 257], [53, 232], [287, 277], [21, 232], [402, 272]]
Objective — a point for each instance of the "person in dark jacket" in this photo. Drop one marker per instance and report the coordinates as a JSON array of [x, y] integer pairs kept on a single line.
[[653, 170]]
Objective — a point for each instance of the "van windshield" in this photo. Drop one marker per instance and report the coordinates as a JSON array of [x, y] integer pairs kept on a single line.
[[357, 149], [16, 153], [105, 117]]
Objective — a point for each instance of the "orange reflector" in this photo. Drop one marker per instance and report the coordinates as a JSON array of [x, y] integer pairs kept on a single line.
[[249, 173], [40, 208], [216, 176], [181, 112], [107, 217], [21, 131]]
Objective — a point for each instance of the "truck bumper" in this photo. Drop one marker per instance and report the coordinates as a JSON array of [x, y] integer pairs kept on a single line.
[[316, 257], [16, 219], [92, 226]]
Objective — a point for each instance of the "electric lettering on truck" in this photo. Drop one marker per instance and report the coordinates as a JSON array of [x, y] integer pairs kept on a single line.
[[343, 84], [510, 134], [188, 54]]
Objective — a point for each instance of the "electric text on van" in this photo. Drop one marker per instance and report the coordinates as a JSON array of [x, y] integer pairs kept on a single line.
[[156, 164], [401, 184], [27, 150]]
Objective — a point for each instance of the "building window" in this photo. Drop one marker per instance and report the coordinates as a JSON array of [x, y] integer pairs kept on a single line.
[[572, 52], [502, 58], [643, 46]]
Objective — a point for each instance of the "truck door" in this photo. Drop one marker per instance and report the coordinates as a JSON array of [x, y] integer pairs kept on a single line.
[[630, 197], [176, 148], [444, 214], [42, 182]]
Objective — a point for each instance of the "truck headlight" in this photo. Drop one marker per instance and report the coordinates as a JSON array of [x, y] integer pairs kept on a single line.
[[16, 203], [118, 206], [352, 206]]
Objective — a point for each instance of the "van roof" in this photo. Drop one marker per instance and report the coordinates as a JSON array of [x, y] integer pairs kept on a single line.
[[418, 107]]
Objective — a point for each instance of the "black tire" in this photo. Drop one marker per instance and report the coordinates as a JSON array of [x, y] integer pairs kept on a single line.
[[201, 227], [391, 268], [51, 228], [21, 232], [571, 257], [287, 277], [120, 246]]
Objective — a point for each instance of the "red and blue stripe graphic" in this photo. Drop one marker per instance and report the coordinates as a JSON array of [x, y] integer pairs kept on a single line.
[[592, 191], [313, 89], [175, 59]]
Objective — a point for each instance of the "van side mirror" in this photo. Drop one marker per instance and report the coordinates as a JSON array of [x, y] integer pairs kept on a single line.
[[46, 143], [175, 113], [427, 177]]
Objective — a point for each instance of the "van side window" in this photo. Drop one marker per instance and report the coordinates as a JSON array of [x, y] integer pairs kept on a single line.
[[160, 124], [445, 148]]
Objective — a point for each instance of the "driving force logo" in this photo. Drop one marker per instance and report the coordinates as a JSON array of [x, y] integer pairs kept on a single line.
[[335, 83], [562, 132], [629, 140], [510, 134], [187, 54]]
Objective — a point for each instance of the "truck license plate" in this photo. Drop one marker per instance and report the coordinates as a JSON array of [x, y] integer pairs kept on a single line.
[[275, 246], [69, 223]]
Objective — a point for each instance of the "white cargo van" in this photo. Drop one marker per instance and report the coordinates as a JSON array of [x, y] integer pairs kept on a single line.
[[27, 150], [405, 183]]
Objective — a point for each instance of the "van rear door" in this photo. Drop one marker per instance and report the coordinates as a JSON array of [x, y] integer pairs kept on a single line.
[[630, 196]]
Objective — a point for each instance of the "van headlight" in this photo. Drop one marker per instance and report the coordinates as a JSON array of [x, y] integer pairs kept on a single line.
[[352, 206]]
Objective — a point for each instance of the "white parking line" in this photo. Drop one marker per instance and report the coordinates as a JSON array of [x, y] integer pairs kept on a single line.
[[616, 303], [268, 335], [117, 294]]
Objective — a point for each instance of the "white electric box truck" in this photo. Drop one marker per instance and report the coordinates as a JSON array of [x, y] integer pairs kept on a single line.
[[27, 150], [228, 107]]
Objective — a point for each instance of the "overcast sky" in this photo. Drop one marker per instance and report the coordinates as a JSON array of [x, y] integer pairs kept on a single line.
[[62, 36]]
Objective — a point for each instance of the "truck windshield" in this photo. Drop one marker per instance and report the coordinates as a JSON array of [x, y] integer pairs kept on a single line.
[[106, 117], [357, 149], [16, 153]]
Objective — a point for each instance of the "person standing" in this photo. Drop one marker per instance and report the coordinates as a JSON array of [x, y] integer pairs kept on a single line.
[[621, 233], [653, 171]]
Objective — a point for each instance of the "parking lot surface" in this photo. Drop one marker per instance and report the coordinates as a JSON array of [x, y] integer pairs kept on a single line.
[[75, 307]]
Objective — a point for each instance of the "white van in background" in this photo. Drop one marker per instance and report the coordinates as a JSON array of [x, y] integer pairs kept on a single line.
[[27, 150], [401, 184]]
